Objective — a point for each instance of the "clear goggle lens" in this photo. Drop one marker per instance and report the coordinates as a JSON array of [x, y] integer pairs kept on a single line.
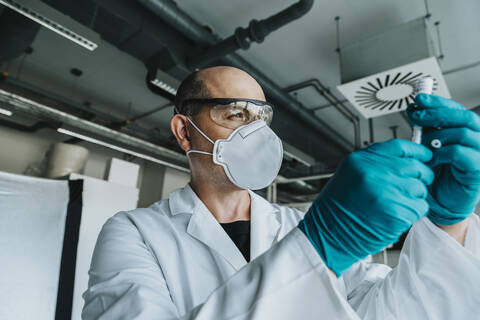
[[239, 113]]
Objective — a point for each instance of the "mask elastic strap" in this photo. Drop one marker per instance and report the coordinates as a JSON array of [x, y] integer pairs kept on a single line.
[[200, 131], [199, 151], [204, 135]]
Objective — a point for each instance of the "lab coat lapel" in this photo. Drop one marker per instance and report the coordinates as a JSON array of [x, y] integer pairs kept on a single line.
[[204, 227], [264, 225]]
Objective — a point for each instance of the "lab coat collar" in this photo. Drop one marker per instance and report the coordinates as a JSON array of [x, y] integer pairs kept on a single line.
[[204, 227], [182, 200], [264, 225]]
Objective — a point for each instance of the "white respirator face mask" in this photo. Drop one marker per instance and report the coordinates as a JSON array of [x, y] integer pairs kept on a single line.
[[251, 156]]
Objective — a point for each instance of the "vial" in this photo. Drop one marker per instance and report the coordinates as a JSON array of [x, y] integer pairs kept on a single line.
[[423, 85]]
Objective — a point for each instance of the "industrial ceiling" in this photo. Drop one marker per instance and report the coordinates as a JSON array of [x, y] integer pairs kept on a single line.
[[111, 79]]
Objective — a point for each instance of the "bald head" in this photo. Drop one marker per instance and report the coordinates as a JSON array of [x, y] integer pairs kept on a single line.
[[230, 82], [217, 82]]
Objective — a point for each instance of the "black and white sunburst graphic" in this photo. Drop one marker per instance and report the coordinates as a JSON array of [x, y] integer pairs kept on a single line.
[[390, 92]]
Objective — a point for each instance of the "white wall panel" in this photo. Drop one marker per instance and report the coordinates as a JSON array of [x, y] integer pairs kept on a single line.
[[101, 200], [32, 224]]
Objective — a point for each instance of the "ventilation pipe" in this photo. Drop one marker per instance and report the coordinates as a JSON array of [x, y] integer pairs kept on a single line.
[[255, 32], [168, 11], [334, 101], [29, 129], [93, 130]]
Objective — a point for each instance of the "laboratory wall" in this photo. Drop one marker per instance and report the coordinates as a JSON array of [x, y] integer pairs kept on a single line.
[[21, 149], [152, 183], [173, 179]]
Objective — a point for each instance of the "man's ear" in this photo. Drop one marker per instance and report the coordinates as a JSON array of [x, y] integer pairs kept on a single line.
[[178, 125]]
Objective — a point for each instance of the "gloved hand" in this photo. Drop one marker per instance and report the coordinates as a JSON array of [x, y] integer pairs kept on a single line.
[[456, 189], [375, 196]]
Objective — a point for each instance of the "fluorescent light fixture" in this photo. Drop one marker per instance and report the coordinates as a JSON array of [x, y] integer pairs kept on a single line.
[[164, 86], [121, 149], [165, 81], [55, 21], [6, 112]]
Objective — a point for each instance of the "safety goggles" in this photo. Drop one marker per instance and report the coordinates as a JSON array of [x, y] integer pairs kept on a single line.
[[235, 112]]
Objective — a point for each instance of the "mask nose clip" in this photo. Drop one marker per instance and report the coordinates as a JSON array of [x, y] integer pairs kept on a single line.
[[251, 127]]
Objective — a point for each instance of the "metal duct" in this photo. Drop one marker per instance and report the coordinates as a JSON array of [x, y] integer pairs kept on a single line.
[[16, 34], [113, 122], [168, 11], [334, 101], [255, 32], [23, 105], [29, 129]]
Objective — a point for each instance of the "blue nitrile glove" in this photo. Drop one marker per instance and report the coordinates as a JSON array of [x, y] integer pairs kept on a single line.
[[375, 196], [456, 189]]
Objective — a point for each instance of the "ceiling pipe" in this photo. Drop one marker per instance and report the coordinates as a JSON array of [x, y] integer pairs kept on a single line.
[[282, 180], [344, 110], [461, 68], [255, 32], [394, 131], [113, 122], [28, 129], [334, 101], [371, 131], [45, 113], [168, 11], [328, 105]]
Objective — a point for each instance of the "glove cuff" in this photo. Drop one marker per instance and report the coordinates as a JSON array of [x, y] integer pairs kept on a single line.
[[438, 214], [336, 256]]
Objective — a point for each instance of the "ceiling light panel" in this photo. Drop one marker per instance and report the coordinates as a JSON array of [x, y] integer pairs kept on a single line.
[[54, 20]]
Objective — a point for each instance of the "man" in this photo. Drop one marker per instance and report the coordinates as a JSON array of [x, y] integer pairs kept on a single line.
[[187, 257]]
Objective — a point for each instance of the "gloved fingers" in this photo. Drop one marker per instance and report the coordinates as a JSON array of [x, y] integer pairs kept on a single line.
[[463, 158], [430, 101], [401, 148], [419, 207], [451, 136], [412, 168], [412, 187], [445, 118], [408, 210]]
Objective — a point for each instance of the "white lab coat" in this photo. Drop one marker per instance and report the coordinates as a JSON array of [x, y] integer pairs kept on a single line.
[[174, 261]]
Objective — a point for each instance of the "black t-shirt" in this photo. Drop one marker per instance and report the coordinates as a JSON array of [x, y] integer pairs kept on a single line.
[[239, 232]]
